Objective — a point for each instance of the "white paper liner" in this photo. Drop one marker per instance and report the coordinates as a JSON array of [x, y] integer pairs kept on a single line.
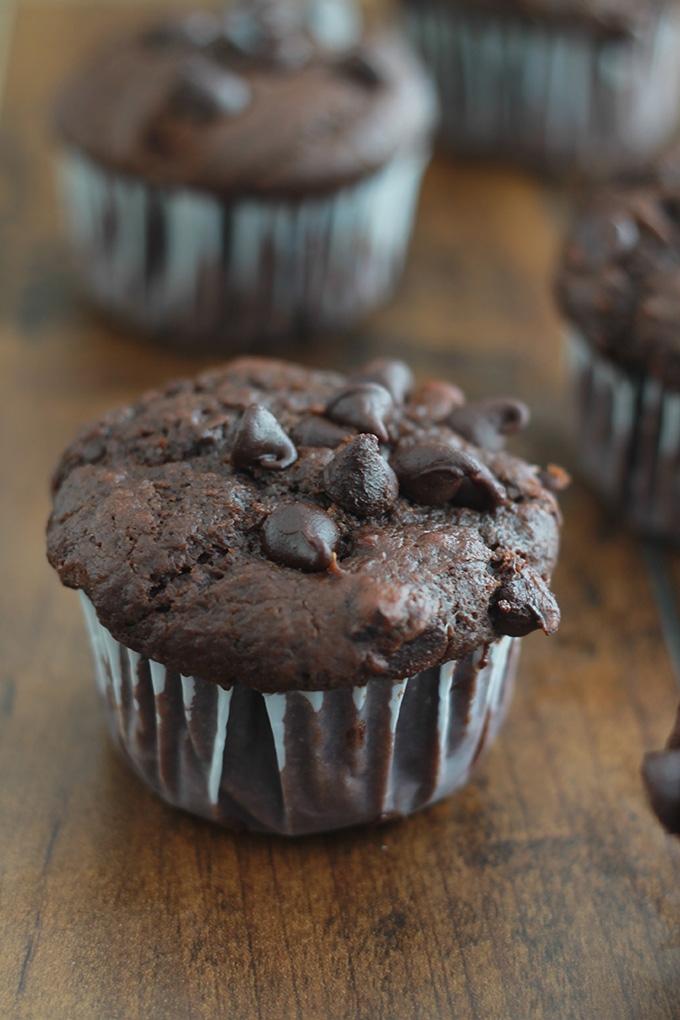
[[628, 439], [555, 95], [304, 761], [186, 263]]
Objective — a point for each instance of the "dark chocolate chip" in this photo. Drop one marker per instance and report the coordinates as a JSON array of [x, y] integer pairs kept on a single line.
[[434, 401], [487, 422], [269, 32], [600, 238], [363, 406], [205, 91], [524, 603], [359, 480], [260, 441], [318, 431], [434, 473], [651, 217], [395, 376], [359, 68], [300, 535], [661, 773], [554, 478]]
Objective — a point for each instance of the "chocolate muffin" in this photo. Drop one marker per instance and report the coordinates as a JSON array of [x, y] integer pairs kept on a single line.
[[568, 86], [305, 592], [619, 287], [661, 774], [252, 176]]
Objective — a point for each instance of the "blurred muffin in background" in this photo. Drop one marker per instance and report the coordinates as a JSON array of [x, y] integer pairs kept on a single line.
[[235, 178], [619, 287], [569, 86], [661, 775]]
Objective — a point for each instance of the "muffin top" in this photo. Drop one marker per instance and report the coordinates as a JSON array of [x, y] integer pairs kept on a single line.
[[284, 528], [619, 278], [607, 18], [275, 97]]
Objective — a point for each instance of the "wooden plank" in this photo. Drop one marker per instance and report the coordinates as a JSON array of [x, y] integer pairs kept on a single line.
[[545, 889]]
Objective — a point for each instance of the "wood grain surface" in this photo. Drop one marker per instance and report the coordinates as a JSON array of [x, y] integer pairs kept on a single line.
[[544, 890]]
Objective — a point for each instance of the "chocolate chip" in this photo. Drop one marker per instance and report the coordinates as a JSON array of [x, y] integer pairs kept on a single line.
[[434, 400], [395, 376], [363, 406], [554, 478], [524, 603], [359, 68], [487, 422], [359, 480], [651, 217], [268, 31], [600, 238], [300, 535], [205, 91], [434, 474], [260, 441], [318, 431]]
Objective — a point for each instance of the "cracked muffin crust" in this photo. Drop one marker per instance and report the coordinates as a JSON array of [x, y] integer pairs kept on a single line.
[[290, 529]]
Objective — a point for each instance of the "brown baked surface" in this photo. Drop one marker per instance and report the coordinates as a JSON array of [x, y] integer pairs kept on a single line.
[[181, 105], [176, 549], [619, 278]]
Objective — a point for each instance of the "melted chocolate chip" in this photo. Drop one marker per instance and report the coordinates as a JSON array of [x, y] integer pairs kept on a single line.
[[434, 474], [434, 400], [318, 431], [395, 376], [487, 422], [359, 68], [300, 535], [205, 91], [260, 441], [661, 773], [363, 406], [268, 31], [524, 603], [359, 480]]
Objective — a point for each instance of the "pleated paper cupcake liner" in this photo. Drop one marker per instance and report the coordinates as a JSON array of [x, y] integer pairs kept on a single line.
[[559, 97], [628, 440], [303, 761], [230, 274]]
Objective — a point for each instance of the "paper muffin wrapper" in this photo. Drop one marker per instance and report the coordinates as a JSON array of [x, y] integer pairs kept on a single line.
[[231, 273], [628, 440], [557, 96], [303, 761]]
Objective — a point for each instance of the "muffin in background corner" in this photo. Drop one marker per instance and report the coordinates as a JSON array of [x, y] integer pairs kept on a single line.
[[305, 592], [661, 775], [231, 180], [619, 288], [586, 87]]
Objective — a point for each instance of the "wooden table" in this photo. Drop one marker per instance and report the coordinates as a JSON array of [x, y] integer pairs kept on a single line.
[[543, 890]]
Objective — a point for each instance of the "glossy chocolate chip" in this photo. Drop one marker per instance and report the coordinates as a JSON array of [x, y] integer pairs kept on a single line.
[[524, 603], [395, 376], [364, 406], [300, 535], [317, 431], [434, 401], [434, 474], [359, 480], [487, 422], [359, 68], [268, 31], [260, 441], [205, 91]]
